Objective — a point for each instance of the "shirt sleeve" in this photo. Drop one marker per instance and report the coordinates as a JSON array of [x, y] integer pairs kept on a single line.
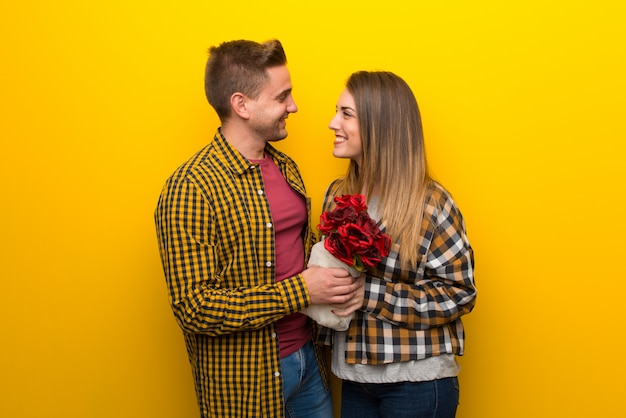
[[443, 292], [202, 297]]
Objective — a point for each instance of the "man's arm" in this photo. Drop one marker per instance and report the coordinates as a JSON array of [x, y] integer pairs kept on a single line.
[[202, 300]]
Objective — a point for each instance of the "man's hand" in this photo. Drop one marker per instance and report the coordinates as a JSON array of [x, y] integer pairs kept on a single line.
[[333, 286]]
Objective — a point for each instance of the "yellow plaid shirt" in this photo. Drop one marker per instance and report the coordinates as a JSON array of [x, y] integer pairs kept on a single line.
[[216, 241]]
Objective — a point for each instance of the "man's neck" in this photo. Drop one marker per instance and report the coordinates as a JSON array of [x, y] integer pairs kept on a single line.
[[248, 145]]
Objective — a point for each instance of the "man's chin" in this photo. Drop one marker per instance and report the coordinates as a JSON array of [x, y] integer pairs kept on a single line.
[[282, 135]]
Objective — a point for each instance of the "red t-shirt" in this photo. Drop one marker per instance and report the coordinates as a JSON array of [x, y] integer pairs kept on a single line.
[[289, 216]]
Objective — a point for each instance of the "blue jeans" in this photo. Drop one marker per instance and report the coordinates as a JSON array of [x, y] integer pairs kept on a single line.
[[432, 399], [303, 389]]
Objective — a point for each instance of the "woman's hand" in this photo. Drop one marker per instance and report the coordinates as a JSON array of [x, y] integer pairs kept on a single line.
[[354, 303]]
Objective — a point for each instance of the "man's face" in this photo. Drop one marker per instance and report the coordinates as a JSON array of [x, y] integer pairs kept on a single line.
[[268, 113]]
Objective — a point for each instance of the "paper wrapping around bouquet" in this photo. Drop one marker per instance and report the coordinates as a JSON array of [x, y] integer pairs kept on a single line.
[[322, 314]]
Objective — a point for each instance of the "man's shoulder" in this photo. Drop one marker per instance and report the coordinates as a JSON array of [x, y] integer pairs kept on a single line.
[[192, 163]]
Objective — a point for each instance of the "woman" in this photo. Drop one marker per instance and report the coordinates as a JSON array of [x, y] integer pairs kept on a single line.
[[398, 357]]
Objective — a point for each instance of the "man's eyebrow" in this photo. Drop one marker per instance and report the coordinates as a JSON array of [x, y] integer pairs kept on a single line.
[[285, 92]]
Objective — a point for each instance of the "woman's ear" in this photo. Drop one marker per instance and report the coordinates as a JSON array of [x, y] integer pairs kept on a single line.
[[239, 105]]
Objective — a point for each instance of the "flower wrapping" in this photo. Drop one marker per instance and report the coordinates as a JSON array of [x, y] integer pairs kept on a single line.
[[322, 314], [352, 241]]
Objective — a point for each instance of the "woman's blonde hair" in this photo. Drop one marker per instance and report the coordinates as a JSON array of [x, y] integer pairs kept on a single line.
[[393, 164]]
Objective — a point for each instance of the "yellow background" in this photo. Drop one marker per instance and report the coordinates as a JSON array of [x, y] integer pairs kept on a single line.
[[524, 110]]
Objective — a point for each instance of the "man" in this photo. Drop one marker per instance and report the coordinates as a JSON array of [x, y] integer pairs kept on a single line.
[[234, 233]]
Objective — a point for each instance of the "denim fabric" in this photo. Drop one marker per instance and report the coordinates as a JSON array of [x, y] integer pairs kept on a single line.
[[303, 389], [430, 399]]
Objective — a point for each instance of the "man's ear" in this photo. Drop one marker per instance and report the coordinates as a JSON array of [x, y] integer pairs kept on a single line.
[[239, 104]]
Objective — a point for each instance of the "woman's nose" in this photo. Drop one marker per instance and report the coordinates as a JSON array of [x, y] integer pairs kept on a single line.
[[332, 125]]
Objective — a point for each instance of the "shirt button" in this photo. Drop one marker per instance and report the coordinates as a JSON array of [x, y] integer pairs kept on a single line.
[[269, 224], [268, 264], [277, 374], [273, 335], [260, 192]]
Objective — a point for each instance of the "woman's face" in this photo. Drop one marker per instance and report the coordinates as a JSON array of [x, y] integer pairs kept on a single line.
[[345, 124]]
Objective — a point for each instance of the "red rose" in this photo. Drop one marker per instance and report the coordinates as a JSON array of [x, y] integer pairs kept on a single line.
[[383, 244], [370, 257], [330, 221], [351, 235], [338, 249], [367, 224], [357, 201], [326, 226], [355, 237]]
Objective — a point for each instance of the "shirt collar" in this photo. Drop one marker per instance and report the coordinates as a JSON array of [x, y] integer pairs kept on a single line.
[[237, 162]]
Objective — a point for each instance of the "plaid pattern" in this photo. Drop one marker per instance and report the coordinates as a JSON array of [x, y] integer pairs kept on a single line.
[[412, 315], [216, 242]]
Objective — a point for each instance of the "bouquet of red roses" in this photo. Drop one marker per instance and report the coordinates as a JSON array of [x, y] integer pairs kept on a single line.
[[352, 241], [351, 235]]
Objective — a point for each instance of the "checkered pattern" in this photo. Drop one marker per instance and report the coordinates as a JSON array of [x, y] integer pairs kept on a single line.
[[216, 242], [415, 314]]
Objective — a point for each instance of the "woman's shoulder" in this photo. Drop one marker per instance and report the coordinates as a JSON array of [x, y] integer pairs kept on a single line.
[[330, 193], [439, 199], [334, 184], [437, 192]]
